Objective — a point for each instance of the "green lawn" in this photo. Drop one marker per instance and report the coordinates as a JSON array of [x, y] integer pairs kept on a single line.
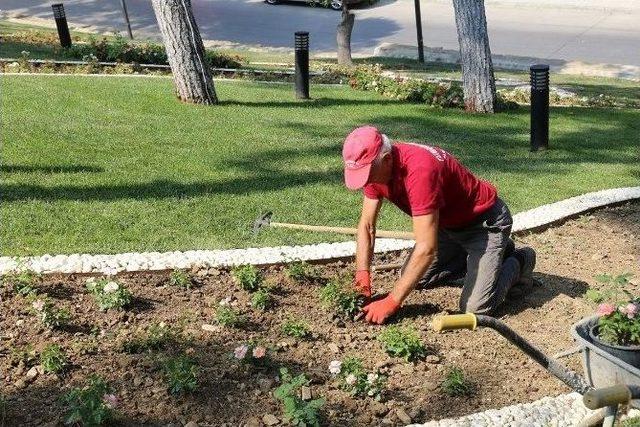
[[104, 164]]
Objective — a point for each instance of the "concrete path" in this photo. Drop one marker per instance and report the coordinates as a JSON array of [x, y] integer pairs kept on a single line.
[[583, 30]]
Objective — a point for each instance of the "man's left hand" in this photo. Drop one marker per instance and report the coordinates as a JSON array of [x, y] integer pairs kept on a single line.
[[378, 311]]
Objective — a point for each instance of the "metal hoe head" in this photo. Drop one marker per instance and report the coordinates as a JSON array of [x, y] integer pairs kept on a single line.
[[262, 220]]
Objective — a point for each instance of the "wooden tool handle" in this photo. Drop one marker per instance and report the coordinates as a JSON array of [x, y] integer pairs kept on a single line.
[[343, 230]]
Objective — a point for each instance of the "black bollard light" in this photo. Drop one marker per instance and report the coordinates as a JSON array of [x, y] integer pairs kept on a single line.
[[302, 64], [61, 23], [539, 107]]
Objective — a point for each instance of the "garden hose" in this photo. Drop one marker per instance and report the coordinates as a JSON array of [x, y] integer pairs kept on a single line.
[[455, 321]]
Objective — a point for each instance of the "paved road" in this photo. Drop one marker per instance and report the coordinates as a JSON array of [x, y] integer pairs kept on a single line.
[[580, 30]]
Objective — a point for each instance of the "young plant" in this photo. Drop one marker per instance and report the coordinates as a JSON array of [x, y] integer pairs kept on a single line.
[[251, 353], [227, 316], [456, 384], [299, 271], [297, 411], [157, 337], [27, 355], [619, 325], [180, 279], [109, 294], [24, 281], [402, 342], [92, 405], [296, 328], [181, 374], [248, 277], [355, 380], [50, 316], [262, 299], [340, 296], [53, 359]]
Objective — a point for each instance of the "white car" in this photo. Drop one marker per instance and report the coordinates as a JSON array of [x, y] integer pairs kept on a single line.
[[333, 4]]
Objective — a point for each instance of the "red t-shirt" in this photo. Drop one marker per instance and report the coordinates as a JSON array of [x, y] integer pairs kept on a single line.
[[425, 179]]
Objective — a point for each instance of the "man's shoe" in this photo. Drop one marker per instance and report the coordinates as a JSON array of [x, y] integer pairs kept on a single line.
[[526, 256]]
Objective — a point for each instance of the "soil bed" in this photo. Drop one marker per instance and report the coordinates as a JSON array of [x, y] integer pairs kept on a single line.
[[569, 256]]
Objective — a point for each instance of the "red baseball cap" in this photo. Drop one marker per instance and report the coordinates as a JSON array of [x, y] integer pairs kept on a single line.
[[361, 147]]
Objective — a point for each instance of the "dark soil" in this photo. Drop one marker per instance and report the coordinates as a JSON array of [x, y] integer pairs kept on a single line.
[[569, 256]]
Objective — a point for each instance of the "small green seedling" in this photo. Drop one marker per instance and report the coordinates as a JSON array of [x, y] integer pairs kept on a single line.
[[355, 380], [262, 299], [619, 280], [297, 412], [300, 271], [631, 422], [595, 296], [157, 337], [109, 294], [24, 281], [402, 342], [26, 355], [53, 359], [456, 384], [296, 328], [91, 405], [248, 277], [180, 279], [181, 374], [227, 316], [341, 297], [50, 316]]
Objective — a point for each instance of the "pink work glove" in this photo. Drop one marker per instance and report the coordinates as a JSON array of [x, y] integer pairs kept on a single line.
[[378, 311], [362, 283]]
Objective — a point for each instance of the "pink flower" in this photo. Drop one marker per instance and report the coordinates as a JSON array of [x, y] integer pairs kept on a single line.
[[631, 310], [110, 400], [38, 305], [240, 351], [605, 309], [259, 352]]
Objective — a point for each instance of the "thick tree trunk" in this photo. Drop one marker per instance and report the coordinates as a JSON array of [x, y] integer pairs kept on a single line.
[[477, 69], [343, 35], [191, 73]]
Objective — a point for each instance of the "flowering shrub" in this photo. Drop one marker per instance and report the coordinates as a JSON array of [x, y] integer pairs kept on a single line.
[[49, 315], [619, 325], [92, 405], [181, 374], [250, 353], [53, 359], [402, 342], [355, 380], [120, 49], [297, 412], [109, 294]]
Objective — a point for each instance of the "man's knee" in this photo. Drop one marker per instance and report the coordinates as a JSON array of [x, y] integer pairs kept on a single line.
[[477, 307]]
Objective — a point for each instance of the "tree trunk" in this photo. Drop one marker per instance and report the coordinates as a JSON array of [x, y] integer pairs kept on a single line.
[[477, 69], [343, 35], [185, 51]]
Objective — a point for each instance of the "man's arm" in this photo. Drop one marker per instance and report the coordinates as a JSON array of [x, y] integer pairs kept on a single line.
[[366, 237], [425, 230]]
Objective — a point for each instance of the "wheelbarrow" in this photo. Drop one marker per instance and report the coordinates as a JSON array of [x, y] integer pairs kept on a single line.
[[607, 383]]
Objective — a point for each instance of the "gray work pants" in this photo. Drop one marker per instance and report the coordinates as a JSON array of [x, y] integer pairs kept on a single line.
[[481, 250]]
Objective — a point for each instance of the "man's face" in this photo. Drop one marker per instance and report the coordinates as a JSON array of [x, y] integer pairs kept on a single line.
[[381, 171]]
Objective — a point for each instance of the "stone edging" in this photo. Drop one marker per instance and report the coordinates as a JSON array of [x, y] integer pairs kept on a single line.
[[148, 261]]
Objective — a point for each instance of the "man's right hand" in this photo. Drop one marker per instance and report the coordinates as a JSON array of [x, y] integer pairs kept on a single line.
[[362, 283]]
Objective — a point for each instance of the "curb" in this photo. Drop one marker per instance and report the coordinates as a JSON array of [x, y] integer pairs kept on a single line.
[[533, 219], [512, 62]]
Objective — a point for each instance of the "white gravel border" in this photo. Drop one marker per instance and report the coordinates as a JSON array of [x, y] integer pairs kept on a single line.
[[110, 264]]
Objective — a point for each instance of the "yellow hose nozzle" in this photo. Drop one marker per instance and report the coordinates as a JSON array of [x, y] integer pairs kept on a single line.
[[455, 321]]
